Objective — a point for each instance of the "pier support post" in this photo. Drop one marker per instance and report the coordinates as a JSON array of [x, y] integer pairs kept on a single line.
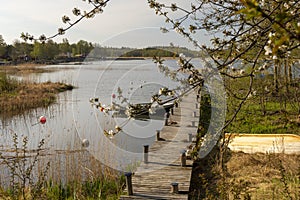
[[194, 114], [174, 188], [167, 115], [157, 135], [183, 159], [176, 104], [128, 176], [190, 137], [193, 123], [146, 150]]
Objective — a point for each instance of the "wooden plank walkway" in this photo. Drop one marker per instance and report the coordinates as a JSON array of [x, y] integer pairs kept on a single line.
[[152, 180]]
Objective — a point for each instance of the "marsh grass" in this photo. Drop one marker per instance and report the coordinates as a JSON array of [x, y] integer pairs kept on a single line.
[[21, 166], [16, 97], [68, 174], [7, 84], [25, 68]]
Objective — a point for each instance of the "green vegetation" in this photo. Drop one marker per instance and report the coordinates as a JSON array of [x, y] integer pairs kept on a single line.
[[160, 52], [42, 52], [265, 110], [53, 52], [7, 84], [99, 188]]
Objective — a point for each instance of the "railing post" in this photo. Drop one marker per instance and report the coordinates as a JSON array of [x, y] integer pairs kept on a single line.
[[167, 115], [194, 114], [146, 150], [190, 137], [176, 104], [193, 123], [183, 159], [129, 183], [174, 188], [157, 135]]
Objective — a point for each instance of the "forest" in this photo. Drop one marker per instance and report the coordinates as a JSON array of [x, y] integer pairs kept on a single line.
[[50, 52]]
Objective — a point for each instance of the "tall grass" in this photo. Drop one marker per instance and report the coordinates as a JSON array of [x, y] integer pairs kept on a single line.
[[34, 174], [17, 97], [7, 84]]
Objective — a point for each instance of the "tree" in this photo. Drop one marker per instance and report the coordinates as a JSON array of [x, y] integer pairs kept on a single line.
[[248, 37], [243, 30], [258, 33], [21, 51], [52, 49], [83, 48], [2, 47], [65, 47], [45, 51]]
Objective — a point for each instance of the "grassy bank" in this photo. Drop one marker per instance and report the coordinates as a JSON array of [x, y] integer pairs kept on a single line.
[[247, 176], [17, 96], [24, 68], [235, 175], [265, 110], [106, 189], [28, 173]]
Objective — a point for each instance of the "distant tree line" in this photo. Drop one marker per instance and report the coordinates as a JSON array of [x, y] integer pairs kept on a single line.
[[20, 52], [50, 51], [160, 52]]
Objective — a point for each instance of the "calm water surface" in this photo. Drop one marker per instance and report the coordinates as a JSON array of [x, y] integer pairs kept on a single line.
[[73, 119]]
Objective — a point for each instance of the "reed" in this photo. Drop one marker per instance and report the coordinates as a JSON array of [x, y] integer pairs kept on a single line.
[[67, 174], [16, 97]]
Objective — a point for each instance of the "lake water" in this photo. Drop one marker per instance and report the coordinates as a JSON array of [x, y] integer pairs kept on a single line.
[[73, 118]]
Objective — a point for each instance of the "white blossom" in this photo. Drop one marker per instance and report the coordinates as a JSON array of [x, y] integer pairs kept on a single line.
[[286, 5], [268, 50], [111, 132], [181, 55], [178, 30], [270, 35]]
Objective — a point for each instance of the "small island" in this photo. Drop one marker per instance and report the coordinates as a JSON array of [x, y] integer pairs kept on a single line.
[[18, 96]]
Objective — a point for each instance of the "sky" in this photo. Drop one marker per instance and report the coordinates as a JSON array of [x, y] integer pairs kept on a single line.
[[128, 23]]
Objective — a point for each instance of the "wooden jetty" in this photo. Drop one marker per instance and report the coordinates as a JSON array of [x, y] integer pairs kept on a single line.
[[165, 172]]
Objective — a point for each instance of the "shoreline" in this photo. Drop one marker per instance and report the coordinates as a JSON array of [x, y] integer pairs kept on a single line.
[[21, 97]]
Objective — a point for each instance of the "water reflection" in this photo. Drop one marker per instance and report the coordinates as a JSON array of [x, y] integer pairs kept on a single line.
[[73, 119]]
